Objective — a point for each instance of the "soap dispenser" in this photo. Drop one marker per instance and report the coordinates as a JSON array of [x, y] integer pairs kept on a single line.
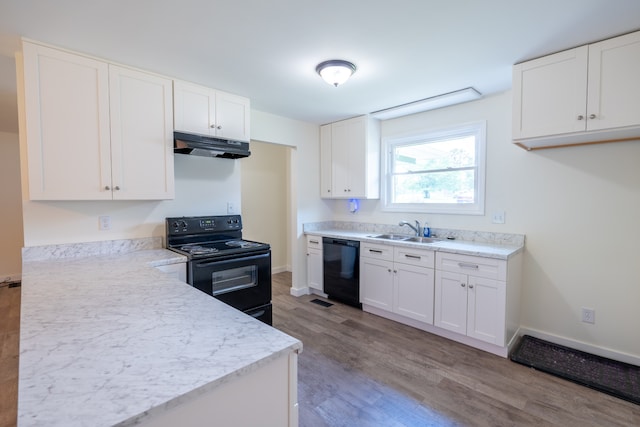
[[426, 231]]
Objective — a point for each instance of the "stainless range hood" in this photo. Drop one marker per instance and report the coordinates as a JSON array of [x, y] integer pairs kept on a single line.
[[208, 146]]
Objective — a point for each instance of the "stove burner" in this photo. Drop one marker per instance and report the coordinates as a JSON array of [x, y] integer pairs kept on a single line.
[[198, 250], [242, 244]]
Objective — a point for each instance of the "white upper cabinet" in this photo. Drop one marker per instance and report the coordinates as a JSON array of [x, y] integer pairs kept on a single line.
[[355, 159], [583, 95], [93, 131], [205, 111], [141, 135]]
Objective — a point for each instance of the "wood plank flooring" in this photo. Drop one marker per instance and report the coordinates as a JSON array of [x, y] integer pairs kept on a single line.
[[9, 341], [357, 369], [360, 370]]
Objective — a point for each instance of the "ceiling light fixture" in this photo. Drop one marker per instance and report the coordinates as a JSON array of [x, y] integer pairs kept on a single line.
[[439, 101], [335, 71]]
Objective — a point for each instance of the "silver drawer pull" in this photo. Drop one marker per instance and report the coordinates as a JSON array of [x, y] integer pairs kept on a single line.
[[465, 265], [375, 251], [412, 256], [315, 242]]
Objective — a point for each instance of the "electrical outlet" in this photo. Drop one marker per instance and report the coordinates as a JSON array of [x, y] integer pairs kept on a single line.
[[498, 217], [588, 315], [104, 222]]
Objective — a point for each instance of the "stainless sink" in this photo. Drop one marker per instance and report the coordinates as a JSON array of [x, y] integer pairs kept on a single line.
[[391, 236], [422, 239]]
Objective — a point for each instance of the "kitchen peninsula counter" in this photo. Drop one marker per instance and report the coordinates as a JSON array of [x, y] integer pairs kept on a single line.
[[110, 340]]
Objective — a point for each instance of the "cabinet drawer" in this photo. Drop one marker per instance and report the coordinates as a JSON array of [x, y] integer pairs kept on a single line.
[[314, 242], [472, 265], [419, 257], [371, 250]]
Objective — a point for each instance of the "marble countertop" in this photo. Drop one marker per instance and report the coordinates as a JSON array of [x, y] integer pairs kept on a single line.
[[107, 340], [463, 247]]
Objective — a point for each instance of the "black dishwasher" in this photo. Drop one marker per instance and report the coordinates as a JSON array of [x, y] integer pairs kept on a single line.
[[341, 265]]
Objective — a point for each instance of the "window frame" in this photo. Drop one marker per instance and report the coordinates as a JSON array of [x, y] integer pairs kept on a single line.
[[477, 128]]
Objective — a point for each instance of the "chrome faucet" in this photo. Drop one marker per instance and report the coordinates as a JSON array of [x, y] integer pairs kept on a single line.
[[416, 228]]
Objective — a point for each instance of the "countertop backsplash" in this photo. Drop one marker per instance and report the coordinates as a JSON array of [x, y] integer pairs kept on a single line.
[[443, 233], [87, 249]]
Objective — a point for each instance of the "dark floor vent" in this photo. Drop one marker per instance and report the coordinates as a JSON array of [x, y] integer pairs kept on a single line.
[[321, 302]]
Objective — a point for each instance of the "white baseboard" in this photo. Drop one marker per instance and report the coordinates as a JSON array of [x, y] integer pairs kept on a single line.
[[582, 346], [298, 292], [281, 269]]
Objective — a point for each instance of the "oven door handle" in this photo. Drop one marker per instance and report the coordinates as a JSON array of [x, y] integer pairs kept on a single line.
[[234, 259]]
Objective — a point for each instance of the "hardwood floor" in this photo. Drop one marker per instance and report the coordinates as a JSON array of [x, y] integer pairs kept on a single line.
[[357, 369], [9, 340], [361, 370]]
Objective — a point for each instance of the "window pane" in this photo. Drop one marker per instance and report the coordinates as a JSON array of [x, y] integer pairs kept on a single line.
[[437, 187], [440, 154]]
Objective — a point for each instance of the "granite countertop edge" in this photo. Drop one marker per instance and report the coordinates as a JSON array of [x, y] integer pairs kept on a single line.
[[461, 247]]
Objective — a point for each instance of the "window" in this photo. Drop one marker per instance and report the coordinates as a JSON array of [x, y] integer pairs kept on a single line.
[[436, 171]]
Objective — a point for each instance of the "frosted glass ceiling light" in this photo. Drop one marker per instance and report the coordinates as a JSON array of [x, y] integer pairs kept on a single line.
[[335, 71]]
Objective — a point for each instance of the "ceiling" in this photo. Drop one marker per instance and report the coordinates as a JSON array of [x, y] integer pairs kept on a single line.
[[405, 50]]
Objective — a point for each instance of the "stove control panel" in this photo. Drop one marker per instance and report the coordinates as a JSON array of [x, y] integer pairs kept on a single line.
[[203, 224]]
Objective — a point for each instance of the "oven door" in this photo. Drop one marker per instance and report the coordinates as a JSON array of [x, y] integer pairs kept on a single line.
[[243, 280]]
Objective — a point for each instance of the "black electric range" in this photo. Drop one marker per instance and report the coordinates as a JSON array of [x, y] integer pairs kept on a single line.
[[222, 264]]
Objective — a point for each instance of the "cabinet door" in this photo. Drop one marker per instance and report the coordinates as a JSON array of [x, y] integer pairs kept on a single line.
[[486, 314], [376, 283], [614, 83], [549, 94], [450, 310], [66, 100], [194, 108], [325, 161], [340, 153], [358, 157], [314, 269], [413, 289], [232, 117], [141, 135]]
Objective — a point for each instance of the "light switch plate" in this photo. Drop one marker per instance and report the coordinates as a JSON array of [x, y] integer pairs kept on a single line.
[[498, 217]]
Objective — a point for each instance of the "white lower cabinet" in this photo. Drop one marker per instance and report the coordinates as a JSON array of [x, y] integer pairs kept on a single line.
[[314, 264], [397, 280], [178, 270], [470, 296]]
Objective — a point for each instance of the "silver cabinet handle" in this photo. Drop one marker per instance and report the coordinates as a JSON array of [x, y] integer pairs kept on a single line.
[[592, 116], [213, 126], [395, 271], [315, 242], [106, 187], [580, 117], [466, 265], [375, 251], [470, 286], [116, 188], [462, 284], [389, 270], [412, 256]]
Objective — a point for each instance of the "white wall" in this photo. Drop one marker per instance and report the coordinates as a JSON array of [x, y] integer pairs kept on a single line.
[[579, 208], [306, 205], [10, 210], [265, 200], [203, 187]]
